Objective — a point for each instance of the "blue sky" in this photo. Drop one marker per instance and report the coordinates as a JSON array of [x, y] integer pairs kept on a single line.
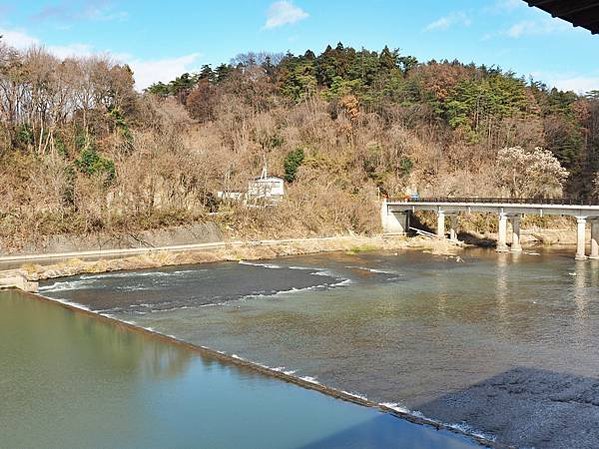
[[163, 39]]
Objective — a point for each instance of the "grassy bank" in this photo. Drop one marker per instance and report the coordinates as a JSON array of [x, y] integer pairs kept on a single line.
[[235, 251]]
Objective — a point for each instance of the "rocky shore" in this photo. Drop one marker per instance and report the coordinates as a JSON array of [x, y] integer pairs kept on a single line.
[[225, 251]]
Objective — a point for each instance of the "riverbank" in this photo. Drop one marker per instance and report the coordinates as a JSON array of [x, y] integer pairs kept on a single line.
[[533, 237], [119, 260], [31, 268]]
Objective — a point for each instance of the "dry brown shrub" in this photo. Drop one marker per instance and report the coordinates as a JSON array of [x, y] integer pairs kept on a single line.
[[171, 168]]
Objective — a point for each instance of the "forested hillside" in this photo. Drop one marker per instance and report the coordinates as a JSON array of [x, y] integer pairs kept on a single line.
[[81, 151]]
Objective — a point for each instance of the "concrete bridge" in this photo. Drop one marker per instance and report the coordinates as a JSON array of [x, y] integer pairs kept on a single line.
[[395, 217]]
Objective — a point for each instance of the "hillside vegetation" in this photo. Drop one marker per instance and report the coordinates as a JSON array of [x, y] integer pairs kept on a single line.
[[81, 151]]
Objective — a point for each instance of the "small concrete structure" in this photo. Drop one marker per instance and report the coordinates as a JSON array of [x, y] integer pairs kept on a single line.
[[395, 219], [580, 238], [394, 222], [267, 187], [441, 224], [263, 189], [502, 233], [12, 280]]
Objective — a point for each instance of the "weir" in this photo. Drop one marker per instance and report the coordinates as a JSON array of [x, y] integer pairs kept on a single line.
[[13, 279], [395, 216]]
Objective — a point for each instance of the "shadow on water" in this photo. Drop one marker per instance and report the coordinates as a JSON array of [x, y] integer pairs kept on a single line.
[[527, 407], [391, 433]]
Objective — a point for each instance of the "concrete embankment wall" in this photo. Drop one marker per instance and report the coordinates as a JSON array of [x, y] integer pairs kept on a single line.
[[16, 280], [180, 235]]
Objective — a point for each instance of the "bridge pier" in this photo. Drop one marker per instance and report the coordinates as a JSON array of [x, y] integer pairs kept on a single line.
[[516, 247], [441, 224], [594, 240], [453, 225], [453, 228], [394, 222], [581, 238], [502, 234]]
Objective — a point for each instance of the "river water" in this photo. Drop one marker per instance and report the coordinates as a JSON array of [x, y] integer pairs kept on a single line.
[[502, 345], [69, 381]]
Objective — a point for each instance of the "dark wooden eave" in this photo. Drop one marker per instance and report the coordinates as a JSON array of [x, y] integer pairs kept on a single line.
[[580, 13]]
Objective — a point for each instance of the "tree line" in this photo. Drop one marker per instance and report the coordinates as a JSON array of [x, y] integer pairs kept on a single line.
[[82, 151], [480, 106]]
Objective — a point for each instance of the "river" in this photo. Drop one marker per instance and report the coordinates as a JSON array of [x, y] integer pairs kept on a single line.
[[500, 345], [69, 381]]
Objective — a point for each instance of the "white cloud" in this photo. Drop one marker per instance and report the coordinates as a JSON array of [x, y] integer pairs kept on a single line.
[[284, 13], [97, 10], [443, 23], [540, 27], [71, 50], [147, 72], [22, 40], [104, 14], [580, 84], [18, 39]]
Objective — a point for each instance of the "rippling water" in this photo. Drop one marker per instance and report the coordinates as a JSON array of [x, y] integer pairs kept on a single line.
[[501, 344]]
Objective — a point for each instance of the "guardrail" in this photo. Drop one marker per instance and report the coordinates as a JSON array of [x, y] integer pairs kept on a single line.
[[553, 201]]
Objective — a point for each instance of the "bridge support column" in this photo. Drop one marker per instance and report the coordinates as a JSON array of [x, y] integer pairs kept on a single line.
[[441, 224], [394, 222], [594, 239], [502, 234], [581, 238], [453, 228], [516, 247]]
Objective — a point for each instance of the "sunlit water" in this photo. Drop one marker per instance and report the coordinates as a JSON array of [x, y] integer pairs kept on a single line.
[[72, 382], [506, 345]]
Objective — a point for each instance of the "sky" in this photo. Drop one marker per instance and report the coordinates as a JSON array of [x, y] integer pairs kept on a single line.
[[161, 40]]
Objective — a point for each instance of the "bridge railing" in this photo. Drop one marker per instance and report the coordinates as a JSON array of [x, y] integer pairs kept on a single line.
[[537, 200]]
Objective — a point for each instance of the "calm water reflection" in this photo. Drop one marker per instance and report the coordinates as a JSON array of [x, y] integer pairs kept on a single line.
[[71, 382]]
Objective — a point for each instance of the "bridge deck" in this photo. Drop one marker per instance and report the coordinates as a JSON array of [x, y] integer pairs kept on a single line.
[[498, 206]]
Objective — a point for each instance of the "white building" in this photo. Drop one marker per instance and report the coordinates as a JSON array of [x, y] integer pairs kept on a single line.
[[270, 187], [266, 186]]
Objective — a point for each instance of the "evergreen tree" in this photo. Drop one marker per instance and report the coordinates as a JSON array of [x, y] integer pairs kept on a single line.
[[292, 163], [222, 72], [389, 59], [207, 74]]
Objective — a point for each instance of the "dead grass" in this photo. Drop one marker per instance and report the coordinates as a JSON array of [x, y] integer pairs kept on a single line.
[[237, 252], [170, 170]]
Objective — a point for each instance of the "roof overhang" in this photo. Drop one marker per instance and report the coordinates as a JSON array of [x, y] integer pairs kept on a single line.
[[580, 13]]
